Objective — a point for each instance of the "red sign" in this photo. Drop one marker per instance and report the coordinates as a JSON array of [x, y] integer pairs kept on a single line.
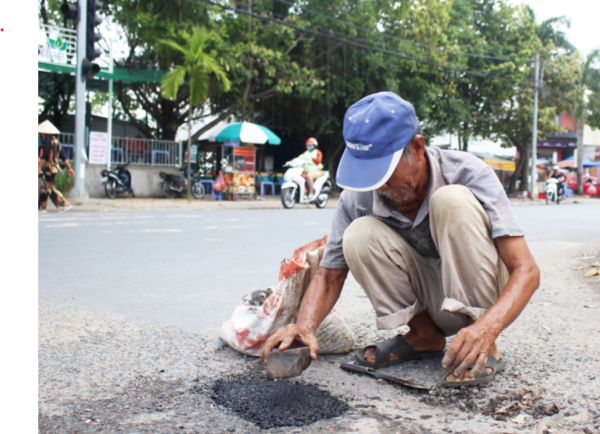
[[243, 151]]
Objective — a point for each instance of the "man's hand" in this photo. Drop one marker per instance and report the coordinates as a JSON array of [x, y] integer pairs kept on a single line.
[[71, 173], [320, 297], [474, 343], [470, 345], [286, 336]]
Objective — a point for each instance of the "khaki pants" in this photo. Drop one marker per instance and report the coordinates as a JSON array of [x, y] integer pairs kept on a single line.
[[400, 283]]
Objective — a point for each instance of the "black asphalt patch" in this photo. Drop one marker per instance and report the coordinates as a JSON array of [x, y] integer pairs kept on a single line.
[[270, 404]]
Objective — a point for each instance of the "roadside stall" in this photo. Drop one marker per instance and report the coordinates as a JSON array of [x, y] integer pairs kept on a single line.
[[238, 161]]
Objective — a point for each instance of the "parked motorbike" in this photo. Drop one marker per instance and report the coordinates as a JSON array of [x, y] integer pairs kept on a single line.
[[552, 191], [116, 181], [294, 189], [173, 186]]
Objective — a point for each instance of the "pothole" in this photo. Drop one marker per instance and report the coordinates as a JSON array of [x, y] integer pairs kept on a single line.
[[270, 404]]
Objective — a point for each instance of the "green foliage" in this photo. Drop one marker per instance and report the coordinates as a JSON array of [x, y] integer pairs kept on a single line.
[[197, 66], [300, 84], [63, 182]]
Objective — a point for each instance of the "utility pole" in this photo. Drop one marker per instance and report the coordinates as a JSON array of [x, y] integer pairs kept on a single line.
[[78, 190], [536, 88], [580, 128], [538, 84], [109, 119]]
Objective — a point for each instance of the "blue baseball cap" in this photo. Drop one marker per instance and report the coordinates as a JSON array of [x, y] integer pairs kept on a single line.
[[376, 130]]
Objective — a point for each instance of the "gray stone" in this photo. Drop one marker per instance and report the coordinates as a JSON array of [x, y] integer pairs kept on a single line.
[[572, 412]]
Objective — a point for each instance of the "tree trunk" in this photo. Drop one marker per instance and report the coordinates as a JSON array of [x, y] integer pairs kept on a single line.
[[465, 137], [512, 186], [248, 79], [189, 155], [580, 124]]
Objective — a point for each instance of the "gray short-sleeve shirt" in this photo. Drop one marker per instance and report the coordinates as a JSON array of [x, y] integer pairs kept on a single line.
[[445, 168]]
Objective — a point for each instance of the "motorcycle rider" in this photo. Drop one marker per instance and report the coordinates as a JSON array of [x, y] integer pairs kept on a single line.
[[556, 174], [312, 169]]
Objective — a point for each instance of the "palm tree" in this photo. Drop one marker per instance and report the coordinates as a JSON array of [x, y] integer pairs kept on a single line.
[[197, 68], [588, 106]]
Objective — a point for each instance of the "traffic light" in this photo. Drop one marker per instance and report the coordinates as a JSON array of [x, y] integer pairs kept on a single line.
[[91, 37], [70, 12]]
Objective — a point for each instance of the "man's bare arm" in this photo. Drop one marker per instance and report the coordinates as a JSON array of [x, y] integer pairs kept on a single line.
[[472, 343], [320, 297]]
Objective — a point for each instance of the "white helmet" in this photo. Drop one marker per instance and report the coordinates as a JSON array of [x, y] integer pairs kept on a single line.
[[555, 167]]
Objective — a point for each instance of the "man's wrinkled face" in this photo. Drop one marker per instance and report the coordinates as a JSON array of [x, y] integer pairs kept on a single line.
[[401, 186]]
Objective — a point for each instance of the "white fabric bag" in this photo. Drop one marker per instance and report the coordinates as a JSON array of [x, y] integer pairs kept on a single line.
[[261, 313]]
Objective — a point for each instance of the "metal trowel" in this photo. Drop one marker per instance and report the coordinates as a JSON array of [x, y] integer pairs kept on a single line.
[[288, 363]]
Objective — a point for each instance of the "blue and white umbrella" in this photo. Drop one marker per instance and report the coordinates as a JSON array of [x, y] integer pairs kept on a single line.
[[247, 132]]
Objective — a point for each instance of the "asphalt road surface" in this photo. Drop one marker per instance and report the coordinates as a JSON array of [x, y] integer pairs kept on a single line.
[[189, 269]]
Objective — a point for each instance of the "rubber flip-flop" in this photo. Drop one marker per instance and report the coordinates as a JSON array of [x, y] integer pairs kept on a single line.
[[397, 346], [482, 378]]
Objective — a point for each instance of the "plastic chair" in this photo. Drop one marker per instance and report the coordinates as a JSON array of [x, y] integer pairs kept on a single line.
[[265, 181], [208, 182], [216, 194]]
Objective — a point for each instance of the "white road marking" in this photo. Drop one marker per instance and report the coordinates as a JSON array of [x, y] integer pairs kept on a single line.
[[311, 224], [66, 225], [107, 232], [185, 216], [162, 230], [232, 220], [213, 239], [211, 227]]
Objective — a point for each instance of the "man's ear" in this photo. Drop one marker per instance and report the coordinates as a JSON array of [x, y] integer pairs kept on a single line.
[[418, 144]]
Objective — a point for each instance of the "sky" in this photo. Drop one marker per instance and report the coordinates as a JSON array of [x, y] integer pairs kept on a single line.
[[584, 14]]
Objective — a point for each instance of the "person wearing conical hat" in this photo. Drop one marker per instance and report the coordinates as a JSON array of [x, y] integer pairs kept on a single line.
[[48, 166]]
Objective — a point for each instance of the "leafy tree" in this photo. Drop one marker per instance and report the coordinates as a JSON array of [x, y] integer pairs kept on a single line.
[[198, 67], [501, 37], [549, 31], [349, 73], [514, 119], [55, 91], [142, 24]]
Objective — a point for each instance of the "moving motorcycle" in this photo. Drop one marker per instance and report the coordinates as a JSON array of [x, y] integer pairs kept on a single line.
[[294, 189], [552, 191], [116, 181], [173, 186]]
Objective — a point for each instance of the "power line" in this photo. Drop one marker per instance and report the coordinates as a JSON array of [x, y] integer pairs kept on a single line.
[[355, 41], [419, 44], [355, 44]]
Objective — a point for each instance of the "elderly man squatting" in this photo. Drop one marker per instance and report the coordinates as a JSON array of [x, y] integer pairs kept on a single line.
[[431, 237]]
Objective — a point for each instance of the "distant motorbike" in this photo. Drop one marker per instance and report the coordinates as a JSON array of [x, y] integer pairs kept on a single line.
[[173, 186], [116, 181], [552, 191], [294, 189]]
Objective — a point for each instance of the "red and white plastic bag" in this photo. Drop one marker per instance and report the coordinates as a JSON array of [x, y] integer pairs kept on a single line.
[[261, 313]]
